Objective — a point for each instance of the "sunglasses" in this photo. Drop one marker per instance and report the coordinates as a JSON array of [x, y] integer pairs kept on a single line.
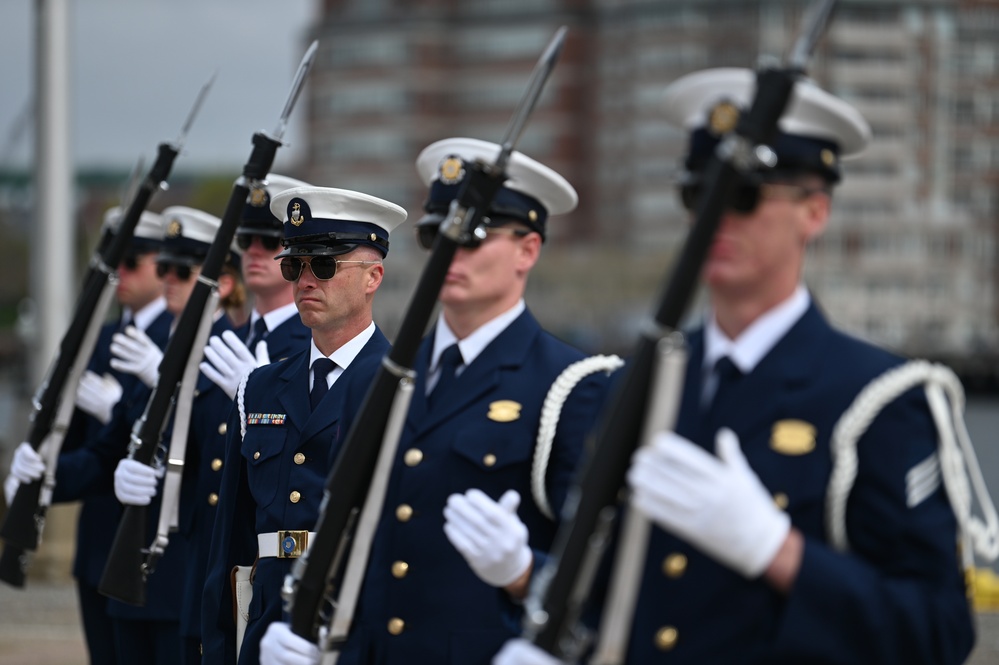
[[182, 271], [426, 235], [270, 243], [747, 196], [323, 267], [129, 262]]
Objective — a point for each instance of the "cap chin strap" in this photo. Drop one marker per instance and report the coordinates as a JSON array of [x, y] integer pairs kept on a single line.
[[345, 238]]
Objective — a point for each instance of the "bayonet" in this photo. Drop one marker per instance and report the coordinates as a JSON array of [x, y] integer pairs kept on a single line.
[[296, 87]]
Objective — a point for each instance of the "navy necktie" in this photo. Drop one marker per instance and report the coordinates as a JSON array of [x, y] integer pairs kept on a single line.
[[258, 332], [320, 369], [450, 361], [726, 377]]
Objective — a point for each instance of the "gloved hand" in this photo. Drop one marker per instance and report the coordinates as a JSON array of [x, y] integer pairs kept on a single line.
[[227, 361], [10, 485], [135, 483], [27, 465], [519, 651], [135, 353], [717, 504], [280, 646], [97, 395], [489, 535]]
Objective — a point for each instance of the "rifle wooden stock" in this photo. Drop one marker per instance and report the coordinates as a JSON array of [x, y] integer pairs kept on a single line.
[[128, 563], [22, 527], [561, 588]]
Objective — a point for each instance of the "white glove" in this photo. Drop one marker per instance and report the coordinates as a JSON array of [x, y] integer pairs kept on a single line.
[[716, 504], [135, 353], [97, 395], [27, 465], [489, 535], [135, 483], [280, 646], [519, 651], [227, 361], [10, 485]]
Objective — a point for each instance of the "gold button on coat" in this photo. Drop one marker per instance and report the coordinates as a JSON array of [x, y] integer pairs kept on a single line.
[[256, 455], [666, 638], [299, 458], [674, 565], [396, 625], [413, 457], [222, 428], [404, 512], [399, 569], [213, 499], [489, 459], [295, 496], [216, 464]]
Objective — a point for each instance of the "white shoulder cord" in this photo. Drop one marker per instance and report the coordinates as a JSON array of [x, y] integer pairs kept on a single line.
[[957, 457], [242, 407], [550, 412]]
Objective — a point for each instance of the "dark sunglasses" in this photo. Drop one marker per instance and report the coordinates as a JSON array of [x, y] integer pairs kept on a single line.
[[747, 196], [426, 235], [270, 243], [182, 271], [323, 267], [129, 262]]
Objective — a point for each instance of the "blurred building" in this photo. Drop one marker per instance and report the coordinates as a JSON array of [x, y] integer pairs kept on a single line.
[[909, 257]]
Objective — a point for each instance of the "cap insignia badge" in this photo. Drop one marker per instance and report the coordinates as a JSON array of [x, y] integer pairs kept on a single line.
[[723, 118], [174, 229], [296, 214], [258, 196], [792, 437], [452, 170], [504, 411]]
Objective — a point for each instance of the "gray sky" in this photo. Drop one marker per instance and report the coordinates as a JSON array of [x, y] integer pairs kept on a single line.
[[137, 65]]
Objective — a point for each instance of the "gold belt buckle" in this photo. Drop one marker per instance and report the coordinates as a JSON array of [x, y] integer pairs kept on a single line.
[[292, 544]]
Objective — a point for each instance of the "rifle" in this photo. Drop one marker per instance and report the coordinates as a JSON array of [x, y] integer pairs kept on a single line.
[[561, 588], [55, 398], [313, 579], [129, 564]]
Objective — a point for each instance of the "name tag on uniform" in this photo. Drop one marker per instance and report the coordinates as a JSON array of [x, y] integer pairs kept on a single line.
[[792, 437], [265, 418]]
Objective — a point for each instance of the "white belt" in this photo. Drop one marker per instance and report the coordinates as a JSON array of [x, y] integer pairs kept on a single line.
[[284, 544]]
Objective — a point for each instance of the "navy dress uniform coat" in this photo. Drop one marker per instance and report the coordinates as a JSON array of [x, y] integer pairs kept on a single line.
[[209, 427], [153, 630], [272, 480], [897, 597], [99, 509], [421, 604]]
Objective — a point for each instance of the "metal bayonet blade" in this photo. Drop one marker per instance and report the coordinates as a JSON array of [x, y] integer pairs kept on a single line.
[[296, 88], [542, 70], [811, 30], [194, 111]]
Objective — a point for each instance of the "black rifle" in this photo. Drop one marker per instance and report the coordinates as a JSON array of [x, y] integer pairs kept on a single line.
[[129, 563], [312, 580], [561, 588], [22, 528]]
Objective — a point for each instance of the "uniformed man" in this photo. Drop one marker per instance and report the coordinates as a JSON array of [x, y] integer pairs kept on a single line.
[[282, 438], [151, 633], [483, 375], [139, 292], [796, 522], [274, 329]]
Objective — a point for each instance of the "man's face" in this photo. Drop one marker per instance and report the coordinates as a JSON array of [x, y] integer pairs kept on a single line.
[[179, 281], [138, 284], [333, 304], [489, 276], [756, 252], [261, 273]]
